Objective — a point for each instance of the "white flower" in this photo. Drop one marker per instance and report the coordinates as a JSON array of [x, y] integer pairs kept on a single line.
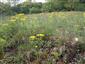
[[76, 39], [36, 46]]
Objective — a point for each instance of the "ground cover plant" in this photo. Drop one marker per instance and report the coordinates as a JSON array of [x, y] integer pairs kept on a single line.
[[45, 38]]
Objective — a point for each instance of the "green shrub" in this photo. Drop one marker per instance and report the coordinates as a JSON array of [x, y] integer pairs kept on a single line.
[[80, 7], [34, 10]]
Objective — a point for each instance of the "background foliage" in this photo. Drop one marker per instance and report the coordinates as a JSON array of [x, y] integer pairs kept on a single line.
[[50, 6]]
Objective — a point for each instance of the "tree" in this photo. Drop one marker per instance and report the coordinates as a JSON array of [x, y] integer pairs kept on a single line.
[[13, 2], [5, 8], [29, 1]]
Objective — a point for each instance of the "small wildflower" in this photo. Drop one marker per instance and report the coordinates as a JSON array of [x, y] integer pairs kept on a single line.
[[36, 46], [76, 39], [32, 37], [40, 35]]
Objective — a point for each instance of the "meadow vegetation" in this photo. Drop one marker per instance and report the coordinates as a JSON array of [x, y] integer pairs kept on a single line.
[[45, 38]]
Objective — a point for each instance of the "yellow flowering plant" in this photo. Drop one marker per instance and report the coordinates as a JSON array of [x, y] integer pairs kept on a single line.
[[18, 17], [32, 37], [61, 15], [21, 14], [40, 35]]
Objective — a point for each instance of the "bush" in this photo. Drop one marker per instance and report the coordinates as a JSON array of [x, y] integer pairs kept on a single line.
[[5, 9], [80, 7], [53, 6], [34, 10]]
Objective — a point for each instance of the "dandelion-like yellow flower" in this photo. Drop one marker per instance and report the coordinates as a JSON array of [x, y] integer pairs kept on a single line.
[[32, 37], [40, 35]]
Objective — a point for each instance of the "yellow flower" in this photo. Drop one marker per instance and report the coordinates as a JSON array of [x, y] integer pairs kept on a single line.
[[32, 37], [40, 35], [20, 15]]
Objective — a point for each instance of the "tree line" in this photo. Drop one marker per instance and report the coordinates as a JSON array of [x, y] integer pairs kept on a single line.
[[50, 6]]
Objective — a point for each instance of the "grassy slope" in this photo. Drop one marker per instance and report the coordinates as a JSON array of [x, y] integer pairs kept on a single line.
[[61, 24], [54, 22]]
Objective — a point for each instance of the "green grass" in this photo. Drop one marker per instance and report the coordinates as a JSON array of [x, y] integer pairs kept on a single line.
[[73, 23], [60, 24], [63, 25], [66, 24]]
